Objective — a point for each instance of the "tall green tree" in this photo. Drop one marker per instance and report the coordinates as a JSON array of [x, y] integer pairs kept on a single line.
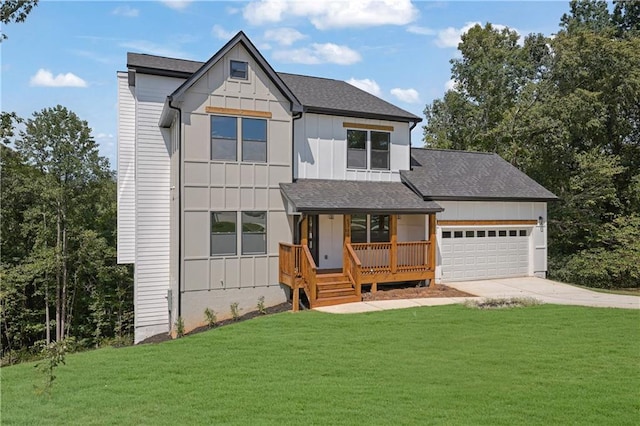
[[58, 261], [564, 109]]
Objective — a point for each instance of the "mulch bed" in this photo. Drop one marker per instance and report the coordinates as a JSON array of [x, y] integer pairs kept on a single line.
[[411, 291], [388, 292], [163, 337]]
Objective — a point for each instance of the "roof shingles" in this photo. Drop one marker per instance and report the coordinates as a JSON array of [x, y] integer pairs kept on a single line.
[[462, 175], [324, 195], [315, 93]]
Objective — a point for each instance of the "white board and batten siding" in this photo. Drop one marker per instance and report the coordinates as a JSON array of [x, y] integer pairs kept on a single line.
[[468, 255], [152, 194], [320, 149], [126, 171]]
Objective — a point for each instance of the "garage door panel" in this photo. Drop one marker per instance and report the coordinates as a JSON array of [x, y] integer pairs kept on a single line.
[[505, 254]]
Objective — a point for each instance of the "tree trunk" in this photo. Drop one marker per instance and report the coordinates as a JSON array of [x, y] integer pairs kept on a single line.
[[46, 312], [58, 275], [63, 295]]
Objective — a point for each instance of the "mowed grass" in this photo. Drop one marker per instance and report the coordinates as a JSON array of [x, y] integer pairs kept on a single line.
[[438, 365]]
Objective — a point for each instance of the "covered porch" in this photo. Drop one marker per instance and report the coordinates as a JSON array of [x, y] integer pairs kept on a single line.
[[362, 245]]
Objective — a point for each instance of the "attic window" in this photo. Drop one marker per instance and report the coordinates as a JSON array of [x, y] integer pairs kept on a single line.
[[239, 70]]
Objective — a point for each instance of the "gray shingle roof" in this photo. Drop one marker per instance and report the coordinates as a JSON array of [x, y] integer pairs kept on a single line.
[[339, 196], [316, 94], [324, 94], [462, 175]]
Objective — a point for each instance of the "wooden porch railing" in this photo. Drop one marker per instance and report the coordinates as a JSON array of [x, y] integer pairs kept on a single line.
[[414, 256], [289, 264], [377, 258], [352, 268], [309, 272]]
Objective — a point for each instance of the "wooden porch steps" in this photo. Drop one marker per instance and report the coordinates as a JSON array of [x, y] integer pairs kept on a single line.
[[334, 289]]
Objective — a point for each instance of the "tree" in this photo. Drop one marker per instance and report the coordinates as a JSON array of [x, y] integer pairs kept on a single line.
[[58, 201], [15, 11], [563, 109]]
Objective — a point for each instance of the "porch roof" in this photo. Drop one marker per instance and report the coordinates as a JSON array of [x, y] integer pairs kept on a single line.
[[315, 196]]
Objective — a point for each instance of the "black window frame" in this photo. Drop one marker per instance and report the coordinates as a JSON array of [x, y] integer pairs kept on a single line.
[[381, 235], [221, 233], [215, 138], [481, 234], [245, 233], [233, 72], [378, 150], [252, 140], [365, 149], [446, 234]]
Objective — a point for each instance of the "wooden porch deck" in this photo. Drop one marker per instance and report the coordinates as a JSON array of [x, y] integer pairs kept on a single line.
[[364, 264]]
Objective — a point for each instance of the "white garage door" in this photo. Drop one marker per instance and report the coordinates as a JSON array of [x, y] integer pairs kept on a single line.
[[482, 253]]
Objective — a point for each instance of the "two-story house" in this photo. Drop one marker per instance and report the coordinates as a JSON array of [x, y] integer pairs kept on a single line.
[[237, 183]]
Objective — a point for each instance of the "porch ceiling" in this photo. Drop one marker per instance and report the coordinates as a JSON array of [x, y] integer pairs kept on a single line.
[[315, 196]]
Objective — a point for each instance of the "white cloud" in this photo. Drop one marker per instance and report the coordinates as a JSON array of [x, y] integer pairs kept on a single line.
[[332, 13], [45, 78], [416, 29], [177, 4], [367, 85], [126, 11], [151, 48], [451, 37], [102, 135], [451, 85], [319, 53], [284, 36], [218, 32], [409, 96]]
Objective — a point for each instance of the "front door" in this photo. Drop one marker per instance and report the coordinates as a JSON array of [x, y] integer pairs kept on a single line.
[[313, 238]]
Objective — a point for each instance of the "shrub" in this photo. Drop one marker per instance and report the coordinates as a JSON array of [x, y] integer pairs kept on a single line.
[[179, 327], [261, 307], [210, 317], [53, 354], [235, 311]]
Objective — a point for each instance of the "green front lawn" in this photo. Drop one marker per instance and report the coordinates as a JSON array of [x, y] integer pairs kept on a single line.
[[453, 365]]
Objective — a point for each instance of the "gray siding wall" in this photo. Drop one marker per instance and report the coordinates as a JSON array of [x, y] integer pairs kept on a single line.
[[218, 281]]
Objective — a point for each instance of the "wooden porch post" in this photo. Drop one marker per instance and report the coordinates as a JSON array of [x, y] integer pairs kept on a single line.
[[346, 232], [296, 298], [393, 230], [304, 231], [432, 247]]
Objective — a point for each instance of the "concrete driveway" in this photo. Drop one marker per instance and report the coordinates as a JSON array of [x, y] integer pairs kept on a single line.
[[546, 291]]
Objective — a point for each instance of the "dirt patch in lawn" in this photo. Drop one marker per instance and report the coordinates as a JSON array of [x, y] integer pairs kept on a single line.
[[411, 291]]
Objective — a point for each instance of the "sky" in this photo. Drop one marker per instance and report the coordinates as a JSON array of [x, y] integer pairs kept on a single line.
[[68, 52]]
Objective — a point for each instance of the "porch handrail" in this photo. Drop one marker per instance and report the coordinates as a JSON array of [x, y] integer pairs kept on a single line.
[[289, 264], [352, 268], [309, 271]]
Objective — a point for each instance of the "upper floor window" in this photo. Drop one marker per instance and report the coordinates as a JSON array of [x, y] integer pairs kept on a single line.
[[365, 147], [224, 139], [380, 150], [239, 70], [254, 139]]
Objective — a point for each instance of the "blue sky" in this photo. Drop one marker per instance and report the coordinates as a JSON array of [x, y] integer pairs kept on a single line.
[[68, 52]]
